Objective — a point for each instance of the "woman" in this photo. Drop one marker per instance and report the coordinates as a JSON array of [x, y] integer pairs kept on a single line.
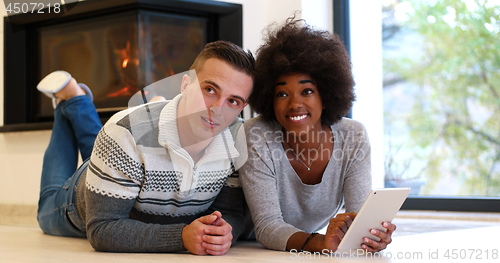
[[304, 159]]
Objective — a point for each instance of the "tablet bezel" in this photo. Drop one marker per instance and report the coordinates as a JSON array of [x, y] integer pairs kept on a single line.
[[381, 205]]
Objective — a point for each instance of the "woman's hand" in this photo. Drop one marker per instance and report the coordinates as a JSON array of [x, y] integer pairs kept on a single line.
[[335, 232], [385, 238]]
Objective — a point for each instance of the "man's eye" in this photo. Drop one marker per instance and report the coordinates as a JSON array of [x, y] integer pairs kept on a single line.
[[234, 102], [210, 90]]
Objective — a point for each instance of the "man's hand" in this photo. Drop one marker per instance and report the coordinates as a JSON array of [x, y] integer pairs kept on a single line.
[[192, 234], [209, 234], [217, 240]]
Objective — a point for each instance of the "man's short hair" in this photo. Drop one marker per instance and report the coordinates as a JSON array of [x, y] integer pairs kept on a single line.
[[234, 55]]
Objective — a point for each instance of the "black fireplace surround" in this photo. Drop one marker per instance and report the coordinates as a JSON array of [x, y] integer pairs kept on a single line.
[[140, 31]]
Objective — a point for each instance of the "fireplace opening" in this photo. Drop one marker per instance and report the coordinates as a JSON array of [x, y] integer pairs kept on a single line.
[[115, 55], [115, 47]]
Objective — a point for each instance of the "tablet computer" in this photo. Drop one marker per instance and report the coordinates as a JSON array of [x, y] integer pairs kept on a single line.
[[381, 205]]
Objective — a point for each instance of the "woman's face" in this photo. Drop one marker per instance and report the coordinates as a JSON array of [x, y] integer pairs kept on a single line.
[[297, 103]]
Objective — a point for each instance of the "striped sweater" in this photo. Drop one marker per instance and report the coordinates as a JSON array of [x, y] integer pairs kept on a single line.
[[141, 188]]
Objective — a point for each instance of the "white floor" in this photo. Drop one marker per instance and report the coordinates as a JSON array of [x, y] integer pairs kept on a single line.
[[29, 244], [21, 240]]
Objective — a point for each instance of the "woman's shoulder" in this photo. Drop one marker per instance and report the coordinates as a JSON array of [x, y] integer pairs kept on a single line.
[[346, 124], [349, 131]]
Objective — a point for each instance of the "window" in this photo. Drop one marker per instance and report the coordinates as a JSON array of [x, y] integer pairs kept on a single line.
[[441, 88]]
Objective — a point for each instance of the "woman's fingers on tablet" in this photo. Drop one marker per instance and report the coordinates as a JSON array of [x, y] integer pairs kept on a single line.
[[337, 225], [389, 226], [348, 222], [346, 218], [352, 215], [374, 246], [385, 237], [340, 233], [369, 248]]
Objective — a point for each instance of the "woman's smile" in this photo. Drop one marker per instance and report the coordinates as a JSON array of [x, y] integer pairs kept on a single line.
[[298, 118]]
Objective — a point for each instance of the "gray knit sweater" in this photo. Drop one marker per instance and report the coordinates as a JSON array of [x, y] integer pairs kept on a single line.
[[280, 203], [141, 188]]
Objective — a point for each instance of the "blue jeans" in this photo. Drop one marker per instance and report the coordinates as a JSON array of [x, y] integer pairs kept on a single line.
[[76, 125]]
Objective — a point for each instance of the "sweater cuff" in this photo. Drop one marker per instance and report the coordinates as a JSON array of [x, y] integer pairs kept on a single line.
[[277, 238], [171, 238], [282, 239]]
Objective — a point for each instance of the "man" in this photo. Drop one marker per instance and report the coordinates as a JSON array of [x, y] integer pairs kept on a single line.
[[157, 178]]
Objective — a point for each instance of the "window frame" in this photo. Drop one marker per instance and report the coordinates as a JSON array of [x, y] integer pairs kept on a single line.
[[341, 25]]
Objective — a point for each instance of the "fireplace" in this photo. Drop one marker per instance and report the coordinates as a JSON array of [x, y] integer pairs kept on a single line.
[[115, 47]]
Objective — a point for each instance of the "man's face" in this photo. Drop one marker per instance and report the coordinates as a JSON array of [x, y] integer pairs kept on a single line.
[[215, 99]]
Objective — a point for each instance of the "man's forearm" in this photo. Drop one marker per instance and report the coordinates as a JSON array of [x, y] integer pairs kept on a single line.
[[110, 229]]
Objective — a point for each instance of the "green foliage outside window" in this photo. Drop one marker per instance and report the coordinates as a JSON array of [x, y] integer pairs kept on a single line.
[[454, 122]]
